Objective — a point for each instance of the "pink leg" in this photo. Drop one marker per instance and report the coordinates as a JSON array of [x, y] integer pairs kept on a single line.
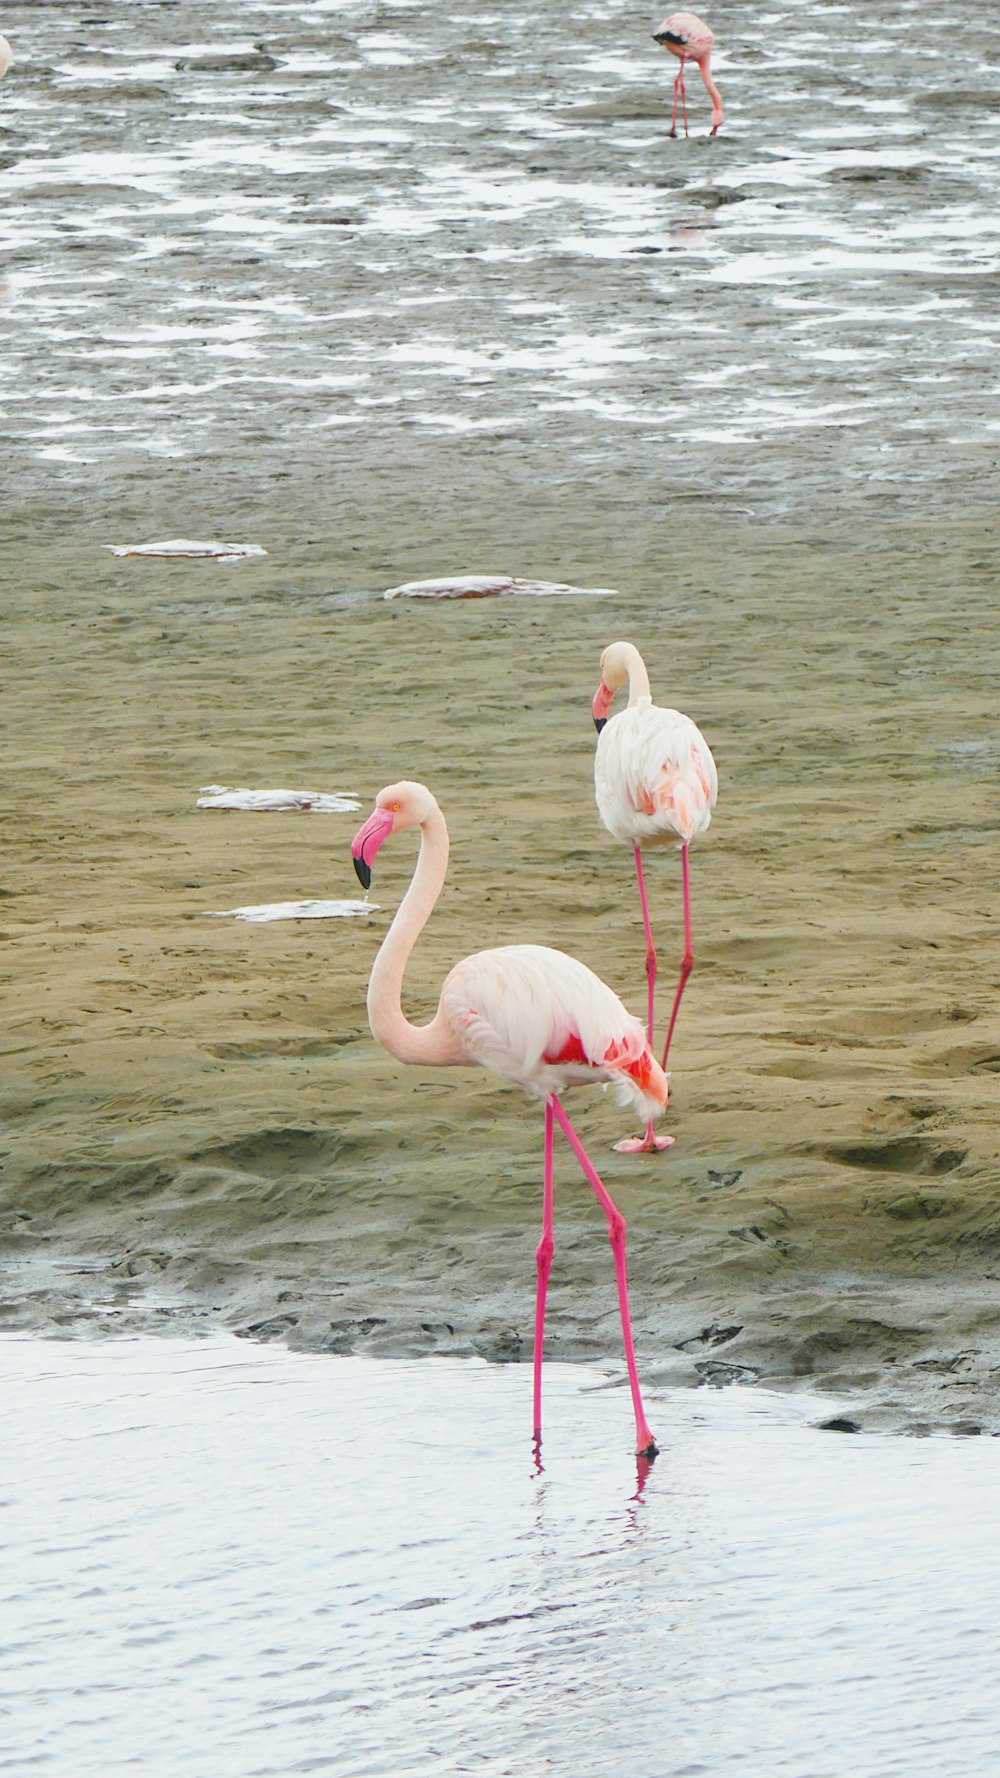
[[687, 961], [645, 1442], [678, 81], [643, 1144], [543, 1261], [680, 92], [650, 947]]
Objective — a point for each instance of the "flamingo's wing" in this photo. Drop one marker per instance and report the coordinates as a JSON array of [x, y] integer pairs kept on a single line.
[[489, 1004], [654, 775], [514, 1005], [539, 1017]]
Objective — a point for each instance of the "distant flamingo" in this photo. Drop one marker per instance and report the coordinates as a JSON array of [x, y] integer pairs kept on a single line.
[[532, 1015], [656, 785], [6, 56], [690, 39]]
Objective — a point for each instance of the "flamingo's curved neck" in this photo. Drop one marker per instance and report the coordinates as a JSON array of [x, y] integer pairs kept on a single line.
[[712, 90], [433, 1044], [638, 678]]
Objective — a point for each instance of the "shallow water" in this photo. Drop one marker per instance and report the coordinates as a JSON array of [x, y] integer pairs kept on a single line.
[[240, 228], [239, 1560]]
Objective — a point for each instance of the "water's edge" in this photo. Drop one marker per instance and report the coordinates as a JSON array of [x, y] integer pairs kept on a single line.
[[71, 1296]]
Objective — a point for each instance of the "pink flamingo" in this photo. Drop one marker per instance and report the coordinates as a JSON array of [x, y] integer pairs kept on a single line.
[[532, 1015], [656, 785], [690, 39]]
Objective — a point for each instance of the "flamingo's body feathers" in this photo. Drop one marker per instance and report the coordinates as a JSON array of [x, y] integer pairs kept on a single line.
[[686, 29], [543, 1019], [654, 776]]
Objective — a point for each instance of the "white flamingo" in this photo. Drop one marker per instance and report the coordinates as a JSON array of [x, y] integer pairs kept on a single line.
[[656, 785], [533, 1016]]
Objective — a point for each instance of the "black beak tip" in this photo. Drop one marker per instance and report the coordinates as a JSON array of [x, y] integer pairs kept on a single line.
[[599, 722], [364, 873]]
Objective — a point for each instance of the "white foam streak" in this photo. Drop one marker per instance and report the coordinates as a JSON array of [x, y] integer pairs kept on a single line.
[[184, 549], [485, 586], [296, 910], [313, 802]]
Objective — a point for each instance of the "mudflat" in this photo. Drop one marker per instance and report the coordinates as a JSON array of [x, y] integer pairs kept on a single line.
[[437, 295], [198, 1127]]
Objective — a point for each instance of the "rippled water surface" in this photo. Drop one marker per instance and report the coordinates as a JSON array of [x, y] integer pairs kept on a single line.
[[227, 1559], [244, 228]]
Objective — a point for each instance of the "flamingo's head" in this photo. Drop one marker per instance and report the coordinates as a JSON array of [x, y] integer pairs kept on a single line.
[[397, 806], [614, 672]]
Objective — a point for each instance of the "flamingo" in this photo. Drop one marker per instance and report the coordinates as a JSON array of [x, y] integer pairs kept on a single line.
[[656, 785], [6, 56], [532, 1015], [690, 39]]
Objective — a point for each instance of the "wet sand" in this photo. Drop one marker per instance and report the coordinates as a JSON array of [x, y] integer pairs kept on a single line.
[[200, 1131]]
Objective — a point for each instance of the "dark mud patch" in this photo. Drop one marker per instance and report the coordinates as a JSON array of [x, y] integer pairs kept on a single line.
[[276, 1153], [905, 1156]]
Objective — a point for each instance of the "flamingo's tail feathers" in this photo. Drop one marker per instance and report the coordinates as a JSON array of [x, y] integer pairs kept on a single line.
[[684, 800], [686, 809], [637, 1075]]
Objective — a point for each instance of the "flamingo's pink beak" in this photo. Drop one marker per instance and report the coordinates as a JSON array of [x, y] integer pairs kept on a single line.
[[367, 841], [602, 704]]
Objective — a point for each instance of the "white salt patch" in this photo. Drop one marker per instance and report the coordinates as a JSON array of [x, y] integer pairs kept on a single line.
[[296, 910], [484, 586], [317, 802], [180, 546]]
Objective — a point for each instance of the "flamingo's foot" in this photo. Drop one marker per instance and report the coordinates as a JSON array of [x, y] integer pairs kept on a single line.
[[673, 134], [647, 1144]]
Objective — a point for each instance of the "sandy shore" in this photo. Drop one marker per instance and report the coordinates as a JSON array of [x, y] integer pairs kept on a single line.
[[198, 1128]]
